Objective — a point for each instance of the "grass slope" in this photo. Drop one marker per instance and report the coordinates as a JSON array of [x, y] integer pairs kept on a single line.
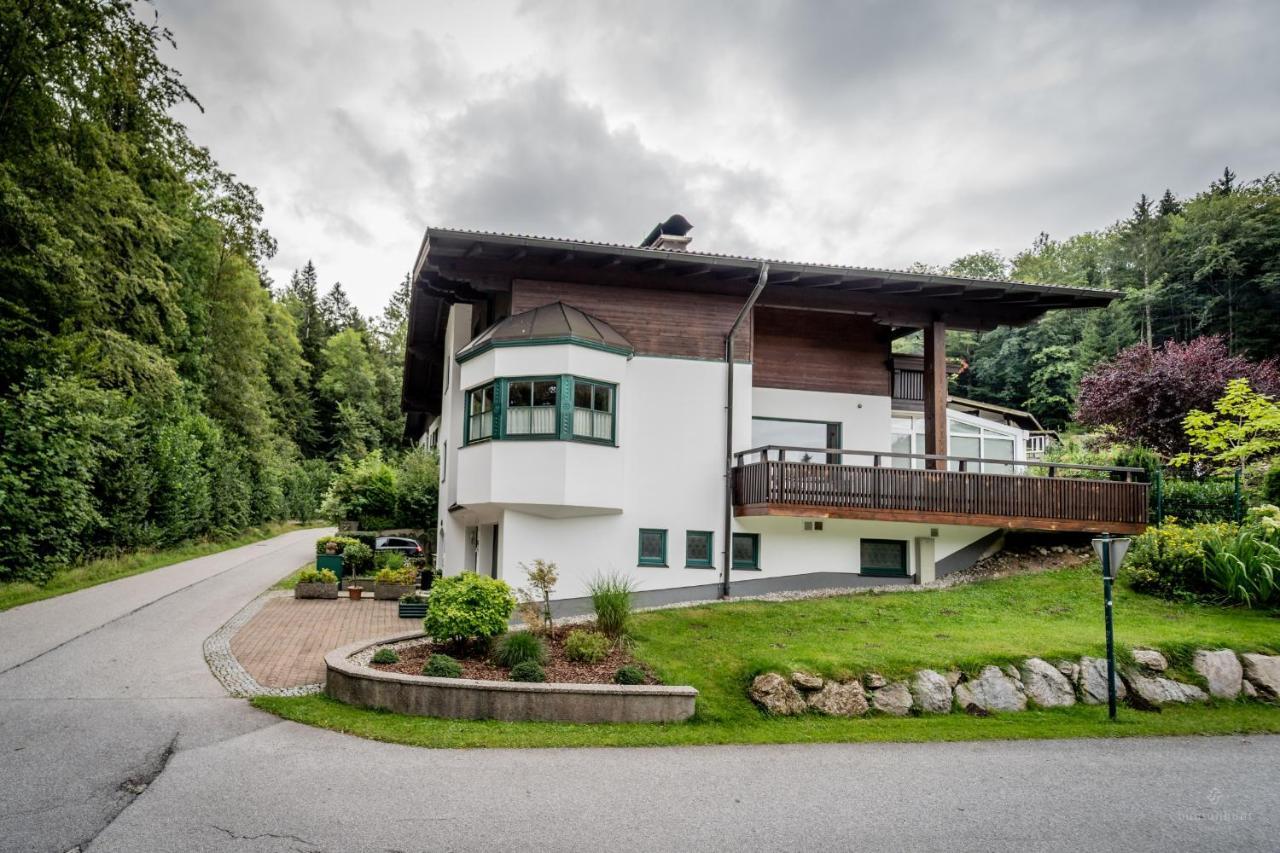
[[107, 569], [719, 648]]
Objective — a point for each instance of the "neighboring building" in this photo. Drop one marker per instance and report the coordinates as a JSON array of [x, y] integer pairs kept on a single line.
[[582, 402]]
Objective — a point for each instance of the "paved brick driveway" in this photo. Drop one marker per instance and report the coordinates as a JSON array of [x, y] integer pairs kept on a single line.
[[284, 644]]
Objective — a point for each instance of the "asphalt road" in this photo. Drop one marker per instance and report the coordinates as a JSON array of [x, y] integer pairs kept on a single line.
[[114, 737]]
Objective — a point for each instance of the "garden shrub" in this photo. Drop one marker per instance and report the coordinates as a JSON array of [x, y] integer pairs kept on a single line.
[[386, 655], [1199, 501], [611, 599], [442, 666], [388, 560], [629, 674], [357, 557], [404, 575], [586, 646], [317, 576], [517, 647], [1138, 456], [1271, 484], [528, 671], [1169, 561], [1244, 566], [468, 606], [341, 541]]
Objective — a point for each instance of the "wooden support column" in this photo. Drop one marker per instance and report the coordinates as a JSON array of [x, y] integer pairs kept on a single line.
[[935, 392]]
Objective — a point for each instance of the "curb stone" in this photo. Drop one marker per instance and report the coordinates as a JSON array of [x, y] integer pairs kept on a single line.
[[224, 666]]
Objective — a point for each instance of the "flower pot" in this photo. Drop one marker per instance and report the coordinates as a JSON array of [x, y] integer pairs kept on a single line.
[[315, 590], [391, 591], [355, 592]]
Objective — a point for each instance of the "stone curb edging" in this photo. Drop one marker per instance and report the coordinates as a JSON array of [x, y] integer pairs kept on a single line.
[[224, 666], [464, 698]]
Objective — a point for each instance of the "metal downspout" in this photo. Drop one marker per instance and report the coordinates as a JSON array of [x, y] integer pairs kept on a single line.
[[728, 430]]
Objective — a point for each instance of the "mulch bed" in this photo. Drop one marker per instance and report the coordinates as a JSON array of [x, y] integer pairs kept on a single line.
[[476, 664]]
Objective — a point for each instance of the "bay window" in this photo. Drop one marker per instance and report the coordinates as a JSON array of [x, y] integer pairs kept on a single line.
[[563, 407], [592, 410]]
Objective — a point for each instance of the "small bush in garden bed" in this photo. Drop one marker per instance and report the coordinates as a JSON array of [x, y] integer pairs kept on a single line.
[[386, 655], [413, 598], [1271, 484], [528, 671], [517, 647], [468, 606], [629, 675], [317, 576], [611, 599], [403, 575], [586, 646], [442, 666]]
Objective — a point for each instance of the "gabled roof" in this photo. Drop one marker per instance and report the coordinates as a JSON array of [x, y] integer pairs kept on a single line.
[[556, 323]]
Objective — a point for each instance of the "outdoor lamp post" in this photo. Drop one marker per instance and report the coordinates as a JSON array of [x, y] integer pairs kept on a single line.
[[1111, 552]]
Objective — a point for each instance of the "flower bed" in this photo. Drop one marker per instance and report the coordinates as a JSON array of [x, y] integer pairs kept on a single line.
[[477, 664]]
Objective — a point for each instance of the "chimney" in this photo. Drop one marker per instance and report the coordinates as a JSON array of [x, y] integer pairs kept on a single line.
[[672, 235]]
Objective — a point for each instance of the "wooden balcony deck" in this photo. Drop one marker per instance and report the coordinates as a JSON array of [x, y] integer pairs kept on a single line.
[[878, 492]]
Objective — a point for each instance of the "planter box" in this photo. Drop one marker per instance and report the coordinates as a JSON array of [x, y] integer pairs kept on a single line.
[[413, 611], [391, 591], [332, 562], [315, 590]]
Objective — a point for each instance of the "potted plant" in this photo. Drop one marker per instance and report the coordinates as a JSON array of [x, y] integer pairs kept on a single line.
[[355, 593], [316, 583], [413, 606], [390, 583]]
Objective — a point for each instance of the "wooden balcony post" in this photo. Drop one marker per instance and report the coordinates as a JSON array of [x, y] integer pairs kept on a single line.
[[935, 393]]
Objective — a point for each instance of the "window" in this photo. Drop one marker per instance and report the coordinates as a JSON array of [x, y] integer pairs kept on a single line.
[[479, 413], [884, 558], [794, 433], [698, 546], [746, 550], [592, 410], [963, 439], [653, 547], [531, 406]]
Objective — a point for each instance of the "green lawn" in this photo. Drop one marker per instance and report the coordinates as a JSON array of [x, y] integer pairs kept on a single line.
[[719, 648], [290, 580], [113, 568]]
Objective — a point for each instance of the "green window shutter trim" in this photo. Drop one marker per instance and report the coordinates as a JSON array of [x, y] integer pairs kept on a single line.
[[564, 400]]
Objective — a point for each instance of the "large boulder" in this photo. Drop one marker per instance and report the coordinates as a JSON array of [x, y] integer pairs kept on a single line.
[[1263, 672], [894, 698], [992, 690], [1046, 685], [1092, 682], [839, 700], [1150, 659], [775, 694], [1156, 690], [931, 692], [805, 681], [1221, 669]]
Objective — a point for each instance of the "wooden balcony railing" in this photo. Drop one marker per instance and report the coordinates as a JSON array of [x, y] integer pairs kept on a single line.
[[767, 482]]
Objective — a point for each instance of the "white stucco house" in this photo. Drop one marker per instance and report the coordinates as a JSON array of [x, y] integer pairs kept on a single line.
[[714, 425]]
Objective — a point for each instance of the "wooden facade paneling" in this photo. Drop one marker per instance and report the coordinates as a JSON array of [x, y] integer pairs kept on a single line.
[[820, 351], [656, 322]]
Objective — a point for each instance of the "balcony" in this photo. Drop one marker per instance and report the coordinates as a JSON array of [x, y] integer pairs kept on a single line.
[[1087, 498]]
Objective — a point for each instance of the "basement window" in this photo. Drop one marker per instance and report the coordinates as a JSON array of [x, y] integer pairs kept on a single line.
[[698, 549], [653, 547], [884, 558], [746, 550]]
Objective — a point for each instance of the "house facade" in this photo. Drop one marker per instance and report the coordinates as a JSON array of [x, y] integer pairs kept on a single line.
[[708, 424]]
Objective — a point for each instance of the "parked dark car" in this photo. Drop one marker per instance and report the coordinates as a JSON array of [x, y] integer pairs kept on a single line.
[[398, 545]]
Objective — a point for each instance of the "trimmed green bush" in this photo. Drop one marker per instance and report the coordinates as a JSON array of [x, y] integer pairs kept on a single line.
[[386, 655], [317, 576], [1199, 501], [629, 674], [468, 606], [442, 666], [586, 646], [517, 647], [1139, 457], [357, 557], [1271, 485], [611, 599], [404, 575], [528, 671], [341, 541]]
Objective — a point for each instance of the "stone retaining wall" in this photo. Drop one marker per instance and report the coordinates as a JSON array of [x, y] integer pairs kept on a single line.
[[468, 699]]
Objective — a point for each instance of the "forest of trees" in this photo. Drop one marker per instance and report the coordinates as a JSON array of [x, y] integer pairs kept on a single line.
[[154, 386], [1207, 265]]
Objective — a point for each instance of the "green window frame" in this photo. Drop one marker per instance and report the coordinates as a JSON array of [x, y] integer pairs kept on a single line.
[[523, 408], [652, 547], [699, 549], [593, 415], [747, 557], [479, 422], [883, 558]]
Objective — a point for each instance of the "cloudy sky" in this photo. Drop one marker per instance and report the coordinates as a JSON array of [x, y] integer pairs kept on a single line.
[[868, 133]]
